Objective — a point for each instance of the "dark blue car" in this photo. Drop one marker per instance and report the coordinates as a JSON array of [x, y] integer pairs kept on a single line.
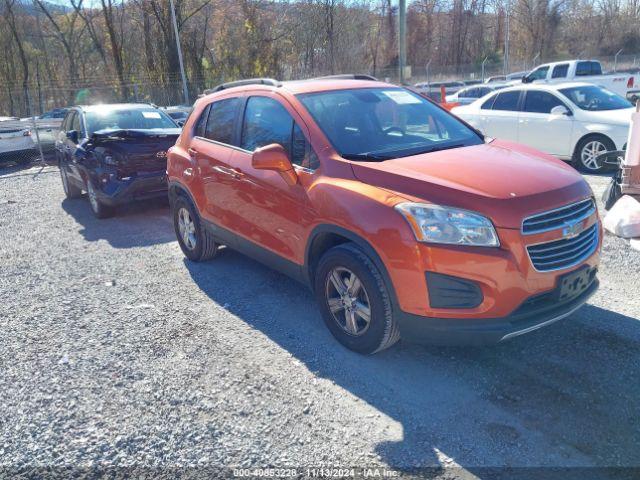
[[116, 153]]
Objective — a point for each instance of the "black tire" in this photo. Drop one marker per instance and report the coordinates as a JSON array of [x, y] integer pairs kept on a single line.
[[578, 161], [99, 209], [202, 246], [613, 192], [382, 330], [70, 190]]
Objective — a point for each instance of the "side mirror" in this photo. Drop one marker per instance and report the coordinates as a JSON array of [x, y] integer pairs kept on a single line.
[[73, 135], [560, 110], [274, 157]]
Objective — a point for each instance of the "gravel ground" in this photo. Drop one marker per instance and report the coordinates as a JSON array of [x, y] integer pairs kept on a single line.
[[116, 352]]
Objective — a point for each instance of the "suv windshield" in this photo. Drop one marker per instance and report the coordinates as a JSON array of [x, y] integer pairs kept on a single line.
[[593, 98], [139, 119], [385, 123]]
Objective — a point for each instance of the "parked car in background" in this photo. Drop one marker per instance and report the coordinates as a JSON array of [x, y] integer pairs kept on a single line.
[[496, 79], [58, 113], [403, 220], [55, 115], [469, 95], [433, 90], [624, 84], [116, 153], [16, 144], [515, 76], [573, 121], [178, 113]]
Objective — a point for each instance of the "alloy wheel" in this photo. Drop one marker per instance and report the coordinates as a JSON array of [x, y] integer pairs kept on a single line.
[[590, 152], [348, 301], [187, 228]]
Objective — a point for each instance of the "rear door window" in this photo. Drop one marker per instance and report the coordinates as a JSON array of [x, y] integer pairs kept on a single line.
[[540, 102], [560, 71], [584, 69], [507, 101], [221, 120]]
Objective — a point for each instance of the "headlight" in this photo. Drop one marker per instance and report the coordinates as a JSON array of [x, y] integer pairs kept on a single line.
[[436, 224]]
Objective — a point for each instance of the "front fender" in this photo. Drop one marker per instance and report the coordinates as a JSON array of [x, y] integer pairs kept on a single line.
[[365, 215]]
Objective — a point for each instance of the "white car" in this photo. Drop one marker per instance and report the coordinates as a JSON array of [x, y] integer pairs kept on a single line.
[[573, 121], [470, 94], [16, 143]]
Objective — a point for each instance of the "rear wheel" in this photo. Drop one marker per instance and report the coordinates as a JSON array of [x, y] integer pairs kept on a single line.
[[70, 189], [99, 209], [196, 242], [588, 150], [354, 300]]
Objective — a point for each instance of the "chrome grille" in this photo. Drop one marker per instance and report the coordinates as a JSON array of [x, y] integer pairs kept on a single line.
[[546, 221], [564, 253]]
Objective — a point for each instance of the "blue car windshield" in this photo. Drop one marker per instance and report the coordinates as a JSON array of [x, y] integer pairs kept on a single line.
[[374, 124], [139, 119]]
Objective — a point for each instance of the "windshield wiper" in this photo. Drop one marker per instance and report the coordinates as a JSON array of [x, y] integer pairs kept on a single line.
[[438, 148], [366, 156]]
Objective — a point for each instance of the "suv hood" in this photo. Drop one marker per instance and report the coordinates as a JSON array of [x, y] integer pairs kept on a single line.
[[501, 180]]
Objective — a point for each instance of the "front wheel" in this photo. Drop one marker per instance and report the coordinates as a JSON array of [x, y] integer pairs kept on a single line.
[[588, 151], [354, 300], [99, 209], [196, 242]]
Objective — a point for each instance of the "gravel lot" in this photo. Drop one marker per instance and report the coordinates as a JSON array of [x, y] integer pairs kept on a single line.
[[115, 351]]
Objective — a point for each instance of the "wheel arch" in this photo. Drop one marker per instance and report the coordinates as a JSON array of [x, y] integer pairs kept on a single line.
[[586, 136], [326, 236], [178, 189]]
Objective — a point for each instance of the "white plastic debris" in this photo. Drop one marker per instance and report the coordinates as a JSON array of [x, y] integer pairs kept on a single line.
[[632, 157], [623, 219], [635, 243]]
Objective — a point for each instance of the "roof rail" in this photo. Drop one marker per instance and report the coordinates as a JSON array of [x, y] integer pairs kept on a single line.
[[239, 83], [349, 76]]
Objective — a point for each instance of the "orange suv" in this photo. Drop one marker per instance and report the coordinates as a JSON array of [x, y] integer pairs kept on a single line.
[[402, 219]]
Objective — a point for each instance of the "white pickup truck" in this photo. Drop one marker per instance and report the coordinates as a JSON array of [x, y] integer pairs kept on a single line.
[[624, 84]]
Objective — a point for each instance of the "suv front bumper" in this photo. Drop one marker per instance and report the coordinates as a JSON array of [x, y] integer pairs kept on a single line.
[[140, 186], [483, 331]]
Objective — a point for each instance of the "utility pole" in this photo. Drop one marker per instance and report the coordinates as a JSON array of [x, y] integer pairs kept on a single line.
[[428, 72], [185, 90], [483, 62], [402, 40], [506, 40]]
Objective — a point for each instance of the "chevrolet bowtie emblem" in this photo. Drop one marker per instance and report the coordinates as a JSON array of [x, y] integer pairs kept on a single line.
[[571, 230]]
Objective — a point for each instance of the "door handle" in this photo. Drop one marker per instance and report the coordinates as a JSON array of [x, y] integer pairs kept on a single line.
[[237, 174], [192, 152]]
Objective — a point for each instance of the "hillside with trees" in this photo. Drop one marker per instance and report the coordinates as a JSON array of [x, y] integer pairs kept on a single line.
[[55, 54]]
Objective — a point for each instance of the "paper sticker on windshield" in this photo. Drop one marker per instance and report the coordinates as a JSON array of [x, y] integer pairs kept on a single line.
[[401, 97], [151, 114]]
